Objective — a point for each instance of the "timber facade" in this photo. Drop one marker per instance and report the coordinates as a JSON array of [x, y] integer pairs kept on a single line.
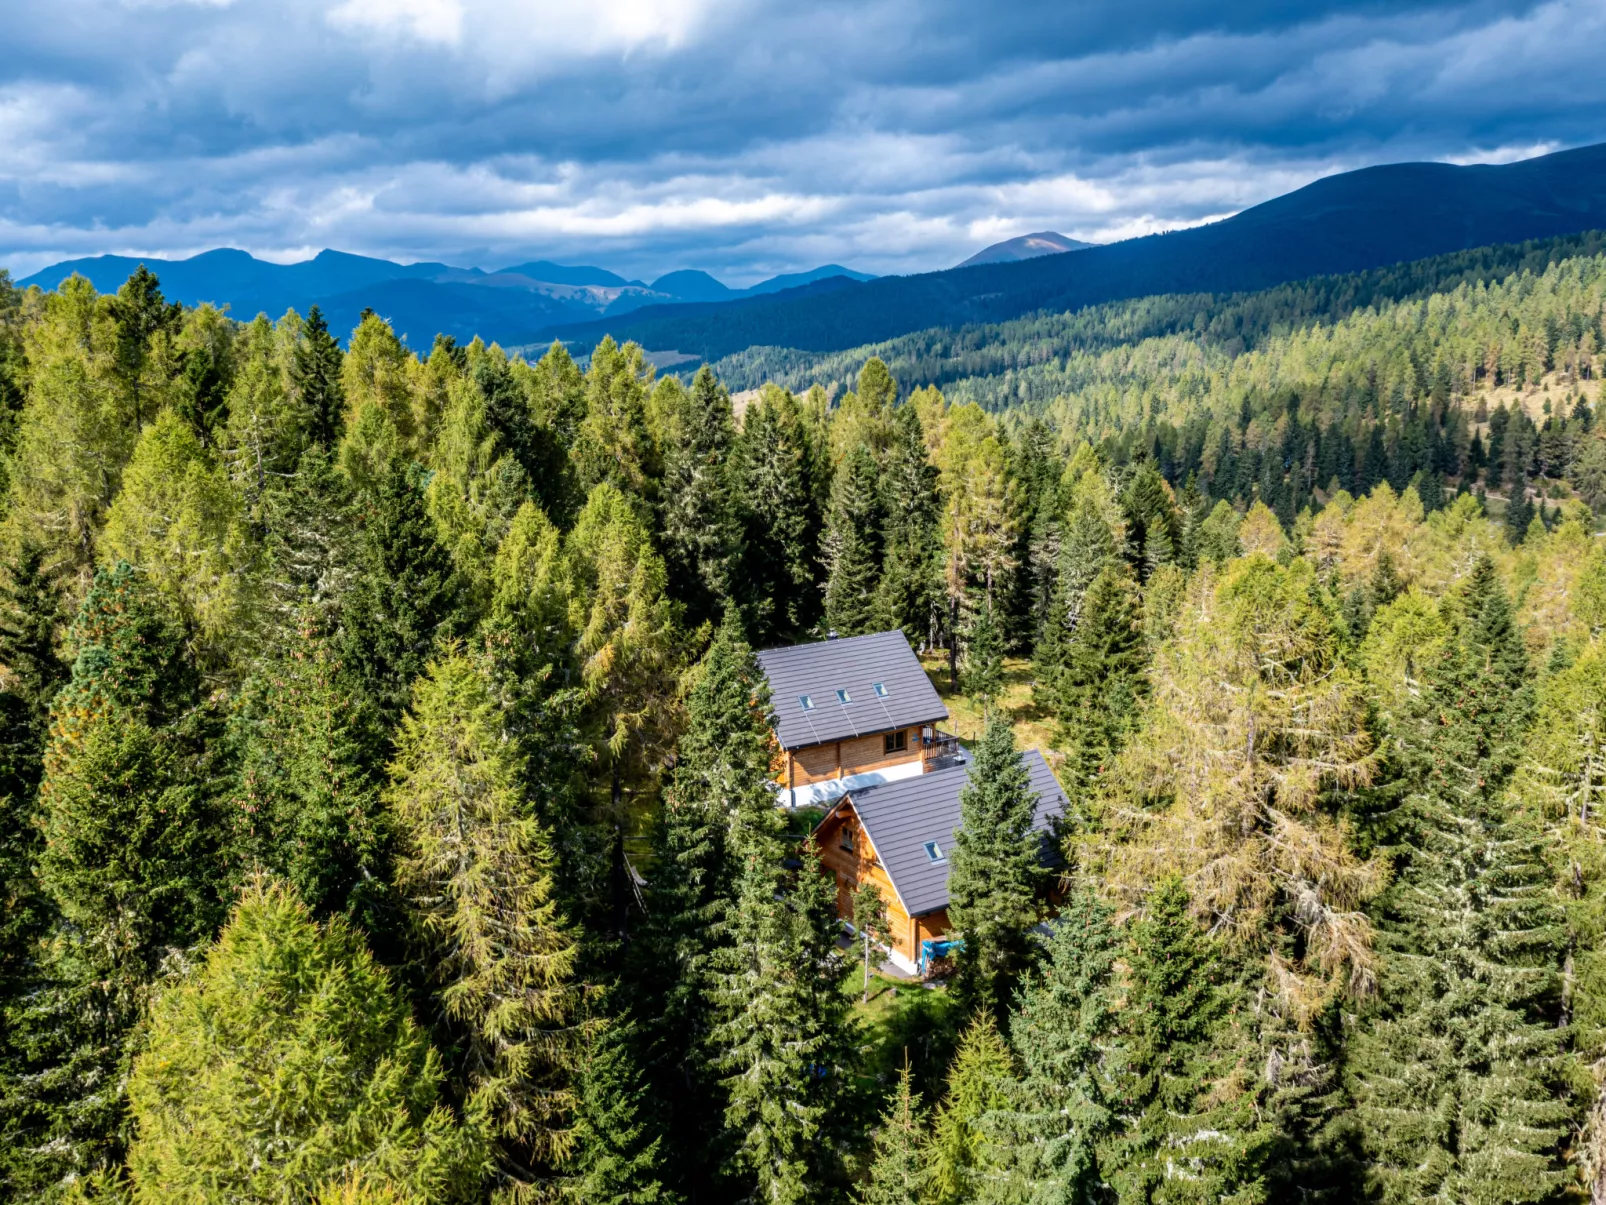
[[856, 728]]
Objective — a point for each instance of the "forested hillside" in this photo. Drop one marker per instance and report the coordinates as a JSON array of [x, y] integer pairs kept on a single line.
[[1349, 222], [385, 812]]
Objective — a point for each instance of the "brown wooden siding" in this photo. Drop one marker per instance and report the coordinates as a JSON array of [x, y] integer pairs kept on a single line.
[[852, 867], [838, 759]]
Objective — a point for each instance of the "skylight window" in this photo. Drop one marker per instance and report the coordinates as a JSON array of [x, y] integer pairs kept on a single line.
[[880, 690], [843, 696], [805, 702], [934, 852]]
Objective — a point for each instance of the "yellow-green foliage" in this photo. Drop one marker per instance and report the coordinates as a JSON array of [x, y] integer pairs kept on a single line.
[[284, 1061]]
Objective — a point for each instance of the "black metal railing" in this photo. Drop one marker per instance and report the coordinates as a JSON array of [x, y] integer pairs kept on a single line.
[[939, 750]]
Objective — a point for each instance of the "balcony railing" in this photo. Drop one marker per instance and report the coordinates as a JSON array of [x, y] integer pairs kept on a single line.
[[939, 750]]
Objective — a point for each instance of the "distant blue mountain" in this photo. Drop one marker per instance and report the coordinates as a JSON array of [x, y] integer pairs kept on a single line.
[[793, 280], [562, 274], [691, 285], [511, 306], [1344, 223]]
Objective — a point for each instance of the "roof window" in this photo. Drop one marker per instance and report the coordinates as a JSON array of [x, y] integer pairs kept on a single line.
[[880, 690], [805, 702], [934, 852], [843, 696]]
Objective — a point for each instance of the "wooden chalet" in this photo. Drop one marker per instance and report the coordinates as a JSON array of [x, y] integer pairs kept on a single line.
[[900, 835], [852, 713], [856, 726]]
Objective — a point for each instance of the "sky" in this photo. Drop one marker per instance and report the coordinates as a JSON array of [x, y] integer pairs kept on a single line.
[[742, 137]]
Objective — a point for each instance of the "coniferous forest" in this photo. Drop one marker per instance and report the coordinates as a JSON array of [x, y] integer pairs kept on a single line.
[[385, 814]]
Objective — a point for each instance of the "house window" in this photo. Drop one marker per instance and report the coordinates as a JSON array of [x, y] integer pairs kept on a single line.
[[843, 696], [847, 837], [880, 690], [934, 852], [806, 703], [895, 742]]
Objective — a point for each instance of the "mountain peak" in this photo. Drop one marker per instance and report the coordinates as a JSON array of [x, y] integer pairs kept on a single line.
[[1026, 246]]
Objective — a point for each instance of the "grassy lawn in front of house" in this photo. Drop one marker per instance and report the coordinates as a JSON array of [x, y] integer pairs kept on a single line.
[[904, 1017], [1033, 729]]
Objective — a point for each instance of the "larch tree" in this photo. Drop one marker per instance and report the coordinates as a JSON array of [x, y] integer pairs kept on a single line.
[[996, 873], [180, 520], [477, 869], [285, 1060], [1252, 720], [477, 485], [614, 442], [75, 432], [625, 636], [898, 1171], [980, 1080]]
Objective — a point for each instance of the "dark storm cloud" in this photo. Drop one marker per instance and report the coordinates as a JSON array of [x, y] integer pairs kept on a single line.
[[742, 136]]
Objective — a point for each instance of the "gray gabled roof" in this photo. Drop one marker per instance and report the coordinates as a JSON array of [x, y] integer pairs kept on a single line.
[[855, 665], [900, 817]]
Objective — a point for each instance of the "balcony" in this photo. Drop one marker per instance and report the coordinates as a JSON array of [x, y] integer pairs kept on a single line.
[[939, 750]]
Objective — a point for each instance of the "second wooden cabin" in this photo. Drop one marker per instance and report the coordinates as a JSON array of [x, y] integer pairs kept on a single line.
[[857, 732]]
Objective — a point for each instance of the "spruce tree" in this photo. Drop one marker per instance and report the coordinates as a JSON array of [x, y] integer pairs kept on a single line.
[[1461, 1077], [308, 807], [140, 314], [1047, 1135], [721, 769], [982, 675], [1190, 1127], [1101, 686], [134, 864], [785, 1041], [316, 374], [406, 598], [700, 519], [285, 1060], [908, 594], [979, 1084], [852, 545], [996, 872], [898, 1171], [783, 517], [1153, 527], [617, 1158], [476, 867]]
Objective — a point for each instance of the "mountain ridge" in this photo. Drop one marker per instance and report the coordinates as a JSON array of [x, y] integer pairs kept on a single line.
[[510, 305], [1347, 222]]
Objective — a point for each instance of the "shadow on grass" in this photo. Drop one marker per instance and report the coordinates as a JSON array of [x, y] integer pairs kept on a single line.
[[901, 1018]]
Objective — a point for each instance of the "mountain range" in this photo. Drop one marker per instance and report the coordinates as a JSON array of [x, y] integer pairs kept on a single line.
[[1027, 246], [1349, 222], [512, 304]]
